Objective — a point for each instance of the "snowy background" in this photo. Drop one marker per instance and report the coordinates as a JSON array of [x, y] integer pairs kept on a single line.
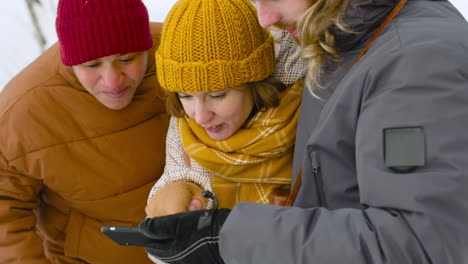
[[21, 41]]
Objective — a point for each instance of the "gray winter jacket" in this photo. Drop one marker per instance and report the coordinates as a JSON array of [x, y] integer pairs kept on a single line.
[[384, 157]]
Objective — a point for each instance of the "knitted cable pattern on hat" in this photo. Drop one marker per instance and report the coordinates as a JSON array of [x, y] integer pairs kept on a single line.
[[209, 45], [91, 29]]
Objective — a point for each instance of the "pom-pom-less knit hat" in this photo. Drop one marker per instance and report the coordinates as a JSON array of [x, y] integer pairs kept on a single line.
[[91, 29], [209, 45]]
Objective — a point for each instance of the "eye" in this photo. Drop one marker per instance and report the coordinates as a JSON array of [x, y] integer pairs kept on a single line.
[[91, 64], [217, 95], [127, 58], [183, 96]]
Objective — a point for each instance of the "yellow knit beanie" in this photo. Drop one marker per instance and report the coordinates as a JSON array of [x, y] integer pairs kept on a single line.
[[209, 45]]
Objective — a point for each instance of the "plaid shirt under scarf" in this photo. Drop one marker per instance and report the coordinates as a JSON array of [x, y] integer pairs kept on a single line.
[[289, 66]]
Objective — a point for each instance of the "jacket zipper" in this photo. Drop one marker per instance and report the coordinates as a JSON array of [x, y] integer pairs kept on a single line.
[[318, 180]]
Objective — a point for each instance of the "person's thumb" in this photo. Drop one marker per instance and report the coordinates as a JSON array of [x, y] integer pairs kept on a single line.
[[195, 205]]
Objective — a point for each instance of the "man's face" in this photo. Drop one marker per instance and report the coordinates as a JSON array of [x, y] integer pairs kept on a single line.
[[114, 79], [281, 13]]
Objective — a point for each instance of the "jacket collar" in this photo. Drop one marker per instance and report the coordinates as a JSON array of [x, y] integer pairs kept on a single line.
[[363, 17], [69, 75]]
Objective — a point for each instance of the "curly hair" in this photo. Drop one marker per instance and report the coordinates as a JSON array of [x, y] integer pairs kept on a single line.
[[317, 40]]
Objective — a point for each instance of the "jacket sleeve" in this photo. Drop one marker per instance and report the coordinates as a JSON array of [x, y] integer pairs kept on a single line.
[[176, 168], [414, 217], [19, 241]]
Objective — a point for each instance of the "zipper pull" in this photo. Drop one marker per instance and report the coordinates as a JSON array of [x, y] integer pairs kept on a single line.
[[318, 180], [315, 163]]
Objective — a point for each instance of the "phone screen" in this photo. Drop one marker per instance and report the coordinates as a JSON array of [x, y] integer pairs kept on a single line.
[[126, 235]]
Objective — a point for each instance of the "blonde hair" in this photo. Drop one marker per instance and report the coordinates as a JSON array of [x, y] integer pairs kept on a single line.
[[265, 94], [317, 41]]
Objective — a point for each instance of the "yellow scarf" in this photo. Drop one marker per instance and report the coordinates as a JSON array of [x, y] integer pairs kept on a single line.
[[256, 160]]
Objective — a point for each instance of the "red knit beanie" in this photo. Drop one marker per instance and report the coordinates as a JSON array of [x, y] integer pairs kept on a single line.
[[91, 29]]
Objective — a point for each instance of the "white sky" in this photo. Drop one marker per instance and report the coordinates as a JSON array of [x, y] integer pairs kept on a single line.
[[18, 46]]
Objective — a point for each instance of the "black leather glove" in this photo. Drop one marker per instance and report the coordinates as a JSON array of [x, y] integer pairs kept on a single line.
[[189, 237]]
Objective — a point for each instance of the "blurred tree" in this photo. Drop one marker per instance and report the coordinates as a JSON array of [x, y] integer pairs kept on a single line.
[[37, 27]]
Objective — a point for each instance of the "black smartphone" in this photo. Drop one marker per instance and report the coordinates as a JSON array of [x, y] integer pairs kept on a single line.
[[126, 235]]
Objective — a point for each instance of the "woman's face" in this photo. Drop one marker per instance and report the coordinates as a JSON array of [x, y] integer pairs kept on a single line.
[[220, 113], [114, 79]]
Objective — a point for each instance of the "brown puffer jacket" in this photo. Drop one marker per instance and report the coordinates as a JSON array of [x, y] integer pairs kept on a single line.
[[69, 165]]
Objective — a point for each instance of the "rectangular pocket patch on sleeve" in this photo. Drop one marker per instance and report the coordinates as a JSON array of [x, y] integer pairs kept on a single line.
[[404, 148]]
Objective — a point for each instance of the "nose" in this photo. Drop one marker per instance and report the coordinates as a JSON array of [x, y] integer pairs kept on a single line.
[[202, 113], [112, 77], [266, 15]]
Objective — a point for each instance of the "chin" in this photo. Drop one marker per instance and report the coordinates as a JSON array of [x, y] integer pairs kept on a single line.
[[117, 106], [219, 137]]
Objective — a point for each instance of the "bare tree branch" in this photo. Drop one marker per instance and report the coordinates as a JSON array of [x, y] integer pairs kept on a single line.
[[38, 31]]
